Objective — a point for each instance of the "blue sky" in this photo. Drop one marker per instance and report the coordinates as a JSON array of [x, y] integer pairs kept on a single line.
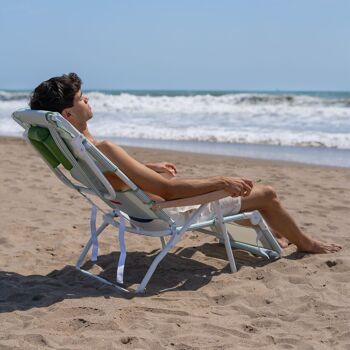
[[182, 44]]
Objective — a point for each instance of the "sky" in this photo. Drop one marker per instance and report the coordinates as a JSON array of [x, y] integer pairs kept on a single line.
[[182, 44]]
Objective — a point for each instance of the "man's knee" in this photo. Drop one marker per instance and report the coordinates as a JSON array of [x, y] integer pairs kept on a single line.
[[263, 198], [270, 196]]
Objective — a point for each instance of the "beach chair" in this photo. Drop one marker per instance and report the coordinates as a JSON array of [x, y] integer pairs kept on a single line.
[[81, 166]]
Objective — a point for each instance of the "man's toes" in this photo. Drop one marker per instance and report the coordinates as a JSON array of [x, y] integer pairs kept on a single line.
[[332, 248]]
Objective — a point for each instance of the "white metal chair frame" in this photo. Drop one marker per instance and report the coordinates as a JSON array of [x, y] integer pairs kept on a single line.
[[84, 149]]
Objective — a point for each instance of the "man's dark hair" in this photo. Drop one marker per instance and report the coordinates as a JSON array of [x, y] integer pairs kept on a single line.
[[56, 94]]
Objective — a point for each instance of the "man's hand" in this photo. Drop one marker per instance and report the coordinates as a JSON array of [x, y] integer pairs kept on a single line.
[[237, 186], [164, 167]]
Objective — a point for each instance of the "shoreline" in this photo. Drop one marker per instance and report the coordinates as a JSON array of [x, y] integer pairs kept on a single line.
[[218, 150], [248, 159]]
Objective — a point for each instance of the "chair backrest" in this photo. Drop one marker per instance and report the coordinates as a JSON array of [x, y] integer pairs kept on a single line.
[[61, 145]]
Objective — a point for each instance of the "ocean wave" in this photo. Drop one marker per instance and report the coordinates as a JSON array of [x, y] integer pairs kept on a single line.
[[218, 135], [122, 99], [13, 96], [277, 119], [229, 98]]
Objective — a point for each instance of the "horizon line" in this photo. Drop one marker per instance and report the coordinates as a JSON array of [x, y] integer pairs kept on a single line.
[[188, 89]]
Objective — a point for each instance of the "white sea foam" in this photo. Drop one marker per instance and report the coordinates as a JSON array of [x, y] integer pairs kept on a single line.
[[279, 119], [9, 102]]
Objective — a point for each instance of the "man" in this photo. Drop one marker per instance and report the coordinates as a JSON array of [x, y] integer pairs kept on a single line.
[[63, 94]]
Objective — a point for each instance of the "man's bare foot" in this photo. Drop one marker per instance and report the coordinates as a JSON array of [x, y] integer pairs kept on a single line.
[[317, 247], [283, 242]]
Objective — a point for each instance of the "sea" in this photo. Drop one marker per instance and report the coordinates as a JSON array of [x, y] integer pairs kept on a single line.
[[298, 126]]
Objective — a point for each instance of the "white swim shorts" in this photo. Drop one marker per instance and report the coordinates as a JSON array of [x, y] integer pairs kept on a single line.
[[229, 206]]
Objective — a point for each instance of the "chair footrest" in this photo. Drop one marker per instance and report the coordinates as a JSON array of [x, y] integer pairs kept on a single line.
[[259, 251]]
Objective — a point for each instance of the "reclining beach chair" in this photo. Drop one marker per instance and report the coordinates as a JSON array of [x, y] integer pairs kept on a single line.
[[63, 147]]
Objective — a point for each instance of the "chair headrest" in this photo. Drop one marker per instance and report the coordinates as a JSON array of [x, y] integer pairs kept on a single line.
[[43, 141]]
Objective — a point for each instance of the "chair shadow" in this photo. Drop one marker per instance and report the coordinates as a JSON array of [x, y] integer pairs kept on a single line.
[[178, 271], [296, 255], [242, 257]]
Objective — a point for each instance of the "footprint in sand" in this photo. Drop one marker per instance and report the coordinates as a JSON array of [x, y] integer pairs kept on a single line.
[[331, 263], [36, 339]]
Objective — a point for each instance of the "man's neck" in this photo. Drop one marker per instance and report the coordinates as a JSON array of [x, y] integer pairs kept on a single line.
[[83, 128], [88, 135]]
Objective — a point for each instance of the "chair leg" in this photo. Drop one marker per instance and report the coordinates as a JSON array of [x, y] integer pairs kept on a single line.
[[162, 240], [88, 245], [222, 229], [171, 243], [83, 255], [267, 237], [229, 249]]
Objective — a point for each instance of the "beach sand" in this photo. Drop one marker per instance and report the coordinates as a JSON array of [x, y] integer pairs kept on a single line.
[[298, 302]]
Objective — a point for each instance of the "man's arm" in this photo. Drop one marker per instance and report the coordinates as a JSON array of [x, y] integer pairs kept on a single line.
[[169, 169], [152, 182]]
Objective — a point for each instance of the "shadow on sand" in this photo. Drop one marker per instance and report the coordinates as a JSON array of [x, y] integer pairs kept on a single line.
[[178, 271]]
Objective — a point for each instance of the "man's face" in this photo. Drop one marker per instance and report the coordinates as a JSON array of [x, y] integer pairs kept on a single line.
[[80, 112]]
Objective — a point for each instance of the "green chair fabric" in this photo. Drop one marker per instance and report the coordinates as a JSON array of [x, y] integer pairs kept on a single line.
[[42, 140]]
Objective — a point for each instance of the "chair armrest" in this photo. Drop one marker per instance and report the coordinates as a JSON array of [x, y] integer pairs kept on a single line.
[[196, 200]]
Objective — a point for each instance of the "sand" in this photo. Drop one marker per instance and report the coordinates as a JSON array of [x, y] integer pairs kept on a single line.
[[193, 302]]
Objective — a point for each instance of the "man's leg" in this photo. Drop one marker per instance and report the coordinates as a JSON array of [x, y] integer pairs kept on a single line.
[[264, 199]]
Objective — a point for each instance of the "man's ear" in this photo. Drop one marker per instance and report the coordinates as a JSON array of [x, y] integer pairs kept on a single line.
[[66, 114]]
